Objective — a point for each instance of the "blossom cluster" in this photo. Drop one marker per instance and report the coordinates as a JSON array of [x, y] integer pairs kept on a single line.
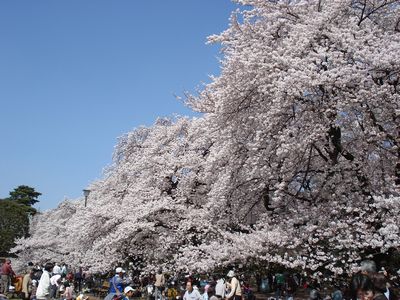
[[295, 160]]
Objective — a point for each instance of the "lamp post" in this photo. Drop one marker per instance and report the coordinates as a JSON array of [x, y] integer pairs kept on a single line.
[[86, 194]]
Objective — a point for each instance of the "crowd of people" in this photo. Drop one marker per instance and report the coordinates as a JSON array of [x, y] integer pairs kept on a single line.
[[50, 281], [369, 284], [162, 287], [57, 282]]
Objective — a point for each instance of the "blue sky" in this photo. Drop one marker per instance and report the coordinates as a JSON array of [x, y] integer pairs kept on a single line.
[[75, 75]]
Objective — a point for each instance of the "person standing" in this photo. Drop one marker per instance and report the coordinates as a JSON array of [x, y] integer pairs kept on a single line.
[[56, 269], [78, 280], [6, 275], [117, 284], [279, 285], [43, 289], [27, 284], [191, 294], [220, 289], [55, 281], [205, 295], [64, 269], [290, 287], [159, 285], [234, 286]]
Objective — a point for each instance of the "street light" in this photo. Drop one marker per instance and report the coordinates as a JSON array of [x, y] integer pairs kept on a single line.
[[86, 194]]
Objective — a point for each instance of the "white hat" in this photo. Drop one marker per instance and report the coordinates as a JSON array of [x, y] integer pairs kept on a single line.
[[231, 273], [119, 270], [128, 289]]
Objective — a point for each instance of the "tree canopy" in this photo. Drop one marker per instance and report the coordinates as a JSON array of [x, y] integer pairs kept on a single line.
[[295, 160], [15, 214], [24, 194]]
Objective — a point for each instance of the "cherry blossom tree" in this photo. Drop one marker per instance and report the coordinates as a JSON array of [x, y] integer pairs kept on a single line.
[[295, 160], [307, 114], [50, 235], [136, 212]]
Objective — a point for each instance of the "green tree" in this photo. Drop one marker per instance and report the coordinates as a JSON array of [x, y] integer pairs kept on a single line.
[[25, 195], [15, 214]]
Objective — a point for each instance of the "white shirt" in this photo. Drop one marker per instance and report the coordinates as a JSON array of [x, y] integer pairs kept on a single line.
[[194, 295], [54, 279], [43, 289], [387, 293], [56, 270], [220, 288]]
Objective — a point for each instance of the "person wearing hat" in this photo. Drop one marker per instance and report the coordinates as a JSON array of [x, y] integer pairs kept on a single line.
[[234, 286], [128, 292], [116, 284]]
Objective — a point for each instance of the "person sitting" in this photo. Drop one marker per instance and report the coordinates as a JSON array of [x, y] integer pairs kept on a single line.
[[67, 291]]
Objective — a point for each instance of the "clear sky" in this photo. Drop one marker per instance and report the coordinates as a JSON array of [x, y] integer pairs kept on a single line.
[[75, 75]]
